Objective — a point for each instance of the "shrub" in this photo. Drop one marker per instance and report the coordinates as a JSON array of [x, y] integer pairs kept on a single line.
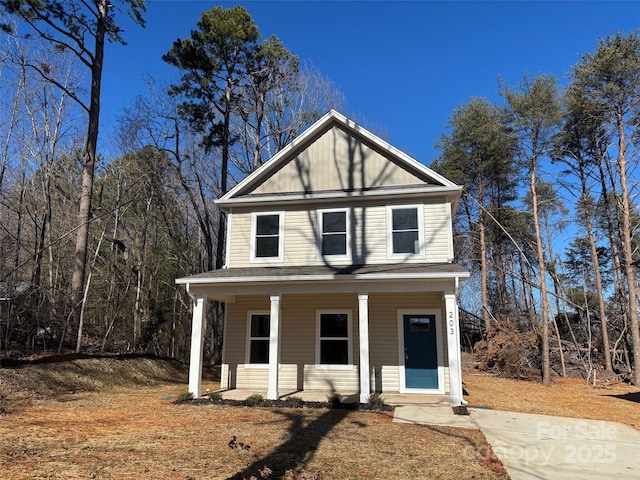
[[294, 401], [376, 400], [253, 400], [183, 397], [214, 396], [507, 351]]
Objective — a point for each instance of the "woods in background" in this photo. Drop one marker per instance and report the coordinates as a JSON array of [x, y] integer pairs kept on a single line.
[[545, 164], [152, 213]]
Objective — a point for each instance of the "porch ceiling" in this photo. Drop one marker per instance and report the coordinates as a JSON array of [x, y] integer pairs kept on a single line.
[[224, 284]]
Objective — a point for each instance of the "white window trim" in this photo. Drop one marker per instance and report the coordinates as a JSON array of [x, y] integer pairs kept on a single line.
[[247, 350], [280, 257], [321, 255], [439, 352], [324, 366], [421, 243]]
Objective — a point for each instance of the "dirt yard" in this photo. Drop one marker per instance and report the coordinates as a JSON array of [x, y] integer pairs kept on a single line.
[[114, 419], [121, 423]]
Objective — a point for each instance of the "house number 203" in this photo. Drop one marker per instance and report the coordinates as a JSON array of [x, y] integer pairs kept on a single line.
[[451, 323]]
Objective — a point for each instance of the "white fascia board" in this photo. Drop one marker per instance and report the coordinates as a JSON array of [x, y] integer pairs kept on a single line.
[[226, 291], [322, 278], [422, 192]]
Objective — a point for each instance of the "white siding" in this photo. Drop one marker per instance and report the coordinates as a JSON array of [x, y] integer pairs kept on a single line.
[[300, 237], [298, 370], [368, 236], [344, 382], [239, 246], [337, 161], [235, 340], [298, 344], [254, 378], [299, 335], [383, 334], [437, 224]]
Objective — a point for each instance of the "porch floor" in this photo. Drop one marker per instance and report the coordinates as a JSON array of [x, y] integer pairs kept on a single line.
[[418, 409], [391, 398]]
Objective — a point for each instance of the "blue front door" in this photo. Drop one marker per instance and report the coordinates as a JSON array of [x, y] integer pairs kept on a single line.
[[420, 351]]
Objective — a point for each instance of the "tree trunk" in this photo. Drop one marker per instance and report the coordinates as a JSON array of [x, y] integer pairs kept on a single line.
[[88, 167], [598, 279], [613, 234], [140, 280], [627, 250], [86, 292], [483, 260], [560, 349], [544, 302], [257, 157]]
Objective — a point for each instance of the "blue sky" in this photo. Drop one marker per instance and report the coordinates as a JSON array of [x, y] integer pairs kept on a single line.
[[402, 66]]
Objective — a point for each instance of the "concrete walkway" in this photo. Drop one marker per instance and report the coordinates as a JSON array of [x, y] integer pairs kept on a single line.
[[543, 447]]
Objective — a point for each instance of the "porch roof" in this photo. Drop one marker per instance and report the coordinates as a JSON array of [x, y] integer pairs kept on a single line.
[[325, 278]]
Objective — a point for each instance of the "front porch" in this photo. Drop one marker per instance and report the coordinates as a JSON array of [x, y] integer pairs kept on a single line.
[[391, 398], [417, 409], [376, 319]]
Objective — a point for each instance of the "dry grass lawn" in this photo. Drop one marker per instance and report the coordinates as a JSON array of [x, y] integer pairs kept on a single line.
[[132, 430], [569, 397], [114, 419]]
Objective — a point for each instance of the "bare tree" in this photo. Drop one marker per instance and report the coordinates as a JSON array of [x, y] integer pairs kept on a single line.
[[80, 27], [536, 115], [610, 80]]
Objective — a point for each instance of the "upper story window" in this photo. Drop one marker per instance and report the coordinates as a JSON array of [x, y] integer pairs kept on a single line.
[[333, 240], [406, 227], [266, 236], [258, 329]]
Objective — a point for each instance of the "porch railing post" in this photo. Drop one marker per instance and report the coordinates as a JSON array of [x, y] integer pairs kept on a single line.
[[453, 349], [198, 327], [274, 347], [363, 328]]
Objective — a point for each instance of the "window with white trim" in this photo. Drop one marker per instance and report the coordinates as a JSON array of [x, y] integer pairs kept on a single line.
[[258, 330], [334, 338], [266, 236], [333, 240], [405, 225]]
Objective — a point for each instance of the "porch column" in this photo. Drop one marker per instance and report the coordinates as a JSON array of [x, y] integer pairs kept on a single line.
[[198, 327], [274, 350], [453, 348], [363, 328]]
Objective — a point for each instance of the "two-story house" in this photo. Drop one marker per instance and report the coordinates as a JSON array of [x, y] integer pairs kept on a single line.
[[339, 272]]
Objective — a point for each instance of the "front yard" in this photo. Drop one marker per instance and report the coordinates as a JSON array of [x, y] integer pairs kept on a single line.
[[114, 419], [134, 431]]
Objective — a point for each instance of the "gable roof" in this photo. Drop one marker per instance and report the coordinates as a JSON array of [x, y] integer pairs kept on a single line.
[[335, 157]]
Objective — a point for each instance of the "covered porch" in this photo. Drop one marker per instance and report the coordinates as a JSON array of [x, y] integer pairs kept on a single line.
[[373, 296], [390, 398]]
